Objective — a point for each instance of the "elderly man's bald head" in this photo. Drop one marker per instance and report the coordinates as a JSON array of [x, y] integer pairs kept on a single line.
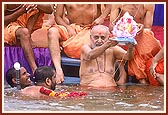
[[99, 35], [100, 28]]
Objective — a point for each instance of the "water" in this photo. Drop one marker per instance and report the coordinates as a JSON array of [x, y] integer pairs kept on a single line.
[[129, 98]]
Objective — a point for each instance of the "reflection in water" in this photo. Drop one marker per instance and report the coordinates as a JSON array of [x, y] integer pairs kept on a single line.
[[129, 98]]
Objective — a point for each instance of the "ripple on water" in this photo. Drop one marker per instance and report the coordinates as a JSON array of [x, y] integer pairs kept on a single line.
[[129, 98]]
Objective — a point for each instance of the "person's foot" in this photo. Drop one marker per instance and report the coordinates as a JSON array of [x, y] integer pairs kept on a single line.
[[143, 81]]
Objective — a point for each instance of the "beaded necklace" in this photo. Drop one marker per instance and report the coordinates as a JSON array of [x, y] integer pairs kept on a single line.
[[103, 64]]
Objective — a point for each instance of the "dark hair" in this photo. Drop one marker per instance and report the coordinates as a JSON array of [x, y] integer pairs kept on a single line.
[[43, 72], [10, 74]]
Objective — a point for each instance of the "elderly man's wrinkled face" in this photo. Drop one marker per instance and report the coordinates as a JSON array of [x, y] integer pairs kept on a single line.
[[99, 35]]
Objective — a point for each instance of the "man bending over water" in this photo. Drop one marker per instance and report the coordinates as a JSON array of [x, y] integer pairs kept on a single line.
[[98, 58]]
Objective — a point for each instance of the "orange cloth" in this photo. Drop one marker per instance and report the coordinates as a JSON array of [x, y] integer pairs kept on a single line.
[[9, 31], [72, 45], [159, 69], [147, 47]]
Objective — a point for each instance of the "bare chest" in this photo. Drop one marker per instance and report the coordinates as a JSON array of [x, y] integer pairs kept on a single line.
[[137, 11], [102, 64], [81, 13]]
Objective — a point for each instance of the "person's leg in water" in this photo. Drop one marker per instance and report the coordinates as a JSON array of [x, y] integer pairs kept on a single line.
[[24, 36], [54, 48]]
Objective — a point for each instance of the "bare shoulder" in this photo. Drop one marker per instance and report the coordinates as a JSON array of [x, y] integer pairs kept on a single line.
[[86, 46], [84, 49], [30, 90], [149, 6]]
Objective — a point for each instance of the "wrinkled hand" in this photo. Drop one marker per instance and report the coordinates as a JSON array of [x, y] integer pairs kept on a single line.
[[130, 45], [71, 31], [140, 28], [158, 75], [30, 7], [59, 76], [98, 21], [111, 27], [152, 69], [112, 42]]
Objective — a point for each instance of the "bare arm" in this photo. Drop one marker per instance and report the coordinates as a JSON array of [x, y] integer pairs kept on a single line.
[[157, 76], [155, 60], [160, 78], [158, 56], [148, 20], [13, 17], [106, 11], [59, 15], [90, 54], [46, 8], [130, 52], [120, 53], [114, 15], [59, 18], [101, 18]]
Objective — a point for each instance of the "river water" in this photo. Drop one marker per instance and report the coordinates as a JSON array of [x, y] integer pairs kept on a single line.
[[129, 98]]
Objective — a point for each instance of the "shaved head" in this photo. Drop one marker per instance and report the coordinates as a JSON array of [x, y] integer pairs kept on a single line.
[[99, 35], [100, 29]]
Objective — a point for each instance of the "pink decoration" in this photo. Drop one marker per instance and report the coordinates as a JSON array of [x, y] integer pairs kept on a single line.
[[125, 27]]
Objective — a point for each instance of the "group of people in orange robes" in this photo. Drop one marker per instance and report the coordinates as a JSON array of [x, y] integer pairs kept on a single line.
[[22, 19]]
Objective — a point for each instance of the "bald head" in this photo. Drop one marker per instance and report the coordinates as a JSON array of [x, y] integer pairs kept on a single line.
[[100, 29], [99, 35]]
